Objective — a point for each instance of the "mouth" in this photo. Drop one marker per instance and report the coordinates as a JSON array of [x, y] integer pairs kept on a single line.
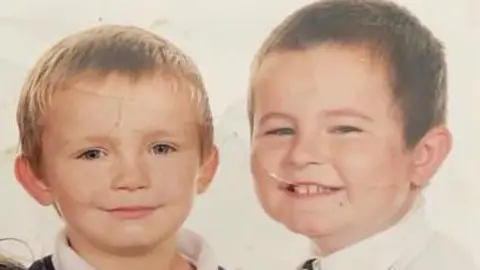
[[131, 212], [306, 190]]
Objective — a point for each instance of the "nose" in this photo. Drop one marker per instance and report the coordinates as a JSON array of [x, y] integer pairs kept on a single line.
[[308, 149], [131, 175]]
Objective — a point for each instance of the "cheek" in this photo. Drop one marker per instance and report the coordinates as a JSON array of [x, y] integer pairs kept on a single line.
[[74, 193], [268, 155], [69, 187], [376, 179], [373, 166], [265, 160], [174, 177], [74, 182]]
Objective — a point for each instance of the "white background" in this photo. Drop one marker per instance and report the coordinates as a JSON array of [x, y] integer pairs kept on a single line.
[[222, 37]]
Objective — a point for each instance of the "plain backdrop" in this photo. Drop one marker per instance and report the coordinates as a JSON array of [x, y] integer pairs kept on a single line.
[[222, 37]]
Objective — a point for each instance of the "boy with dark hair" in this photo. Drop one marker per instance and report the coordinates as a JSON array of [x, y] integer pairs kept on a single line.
[[347, 110]]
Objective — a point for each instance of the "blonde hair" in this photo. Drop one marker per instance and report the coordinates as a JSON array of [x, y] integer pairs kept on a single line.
[[99, 51], [7, 263]]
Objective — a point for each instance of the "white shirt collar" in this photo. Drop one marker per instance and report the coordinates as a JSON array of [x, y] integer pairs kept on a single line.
[[190, 245], [196, 250], [389, 249]]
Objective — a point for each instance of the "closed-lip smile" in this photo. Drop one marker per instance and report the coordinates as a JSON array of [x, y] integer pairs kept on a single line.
[[132, 211]]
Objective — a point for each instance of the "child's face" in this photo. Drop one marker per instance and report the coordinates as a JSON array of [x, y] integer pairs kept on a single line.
[[325, 118], [121, 161]]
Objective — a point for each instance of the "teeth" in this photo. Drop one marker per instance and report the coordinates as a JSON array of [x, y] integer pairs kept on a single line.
[[309, 189], [301, 190]]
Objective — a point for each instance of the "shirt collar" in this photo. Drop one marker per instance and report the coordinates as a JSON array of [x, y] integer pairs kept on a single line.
[[196, 250], [190, 245], [387, 249]]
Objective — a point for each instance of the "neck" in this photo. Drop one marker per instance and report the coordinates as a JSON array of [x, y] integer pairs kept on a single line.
[[328, 244], [163, 256]]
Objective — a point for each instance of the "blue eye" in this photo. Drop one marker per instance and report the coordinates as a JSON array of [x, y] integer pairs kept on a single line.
[[281, 131], [162, 149], [91, 154], [345, 129]]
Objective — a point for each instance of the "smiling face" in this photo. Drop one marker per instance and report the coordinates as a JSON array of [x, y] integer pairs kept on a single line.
[[325, 121], [122, 161]]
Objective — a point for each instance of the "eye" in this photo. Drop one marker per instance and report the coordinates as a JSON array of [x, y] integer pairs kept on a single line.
[[91, 154], [281, 132], [163, 149], [345, 129]]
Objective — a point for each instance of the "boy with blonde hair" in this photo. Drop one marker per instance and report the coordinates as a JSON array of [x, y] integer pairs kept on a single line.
[[116, 132], [348, 120]]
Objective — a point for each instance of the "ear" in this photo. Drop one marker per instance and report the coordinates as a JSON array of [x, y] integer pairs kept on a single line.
[[30, 181], [429, 154], [208, 170]]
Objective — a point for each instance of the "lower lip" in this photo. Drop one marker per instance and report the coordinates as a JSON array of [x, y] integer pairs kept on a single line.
[[132, 213]]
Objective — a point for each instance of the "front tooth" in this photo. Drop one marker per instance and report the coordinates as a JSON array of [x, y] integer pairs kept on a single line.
[[313, 189], [301, 190]]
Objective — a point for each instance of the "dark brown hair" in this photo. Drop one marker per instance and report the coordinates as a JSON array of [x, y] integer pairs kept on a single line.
[[414, 57]]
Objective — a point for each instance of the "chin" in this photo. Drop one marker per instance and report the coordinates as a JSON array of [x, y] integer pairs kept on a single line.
[[136, 244], [135, 237], [309, 226], [131, 249], [145, 235]]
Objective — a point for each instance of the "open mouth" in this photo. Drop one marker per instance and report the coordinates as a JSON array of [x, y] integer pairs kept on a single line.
[[308, 190]]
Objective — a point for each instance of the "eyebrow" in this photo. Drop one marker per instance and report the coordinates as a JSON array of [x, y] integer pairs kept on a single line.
[[106, 139], [274, 115], [89, 139], [341, 112], [346, 112]]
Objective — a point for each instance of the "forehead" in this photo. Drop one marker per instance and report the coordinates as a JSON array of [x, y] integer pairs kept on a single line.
[[326, 75], [118, 102]]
